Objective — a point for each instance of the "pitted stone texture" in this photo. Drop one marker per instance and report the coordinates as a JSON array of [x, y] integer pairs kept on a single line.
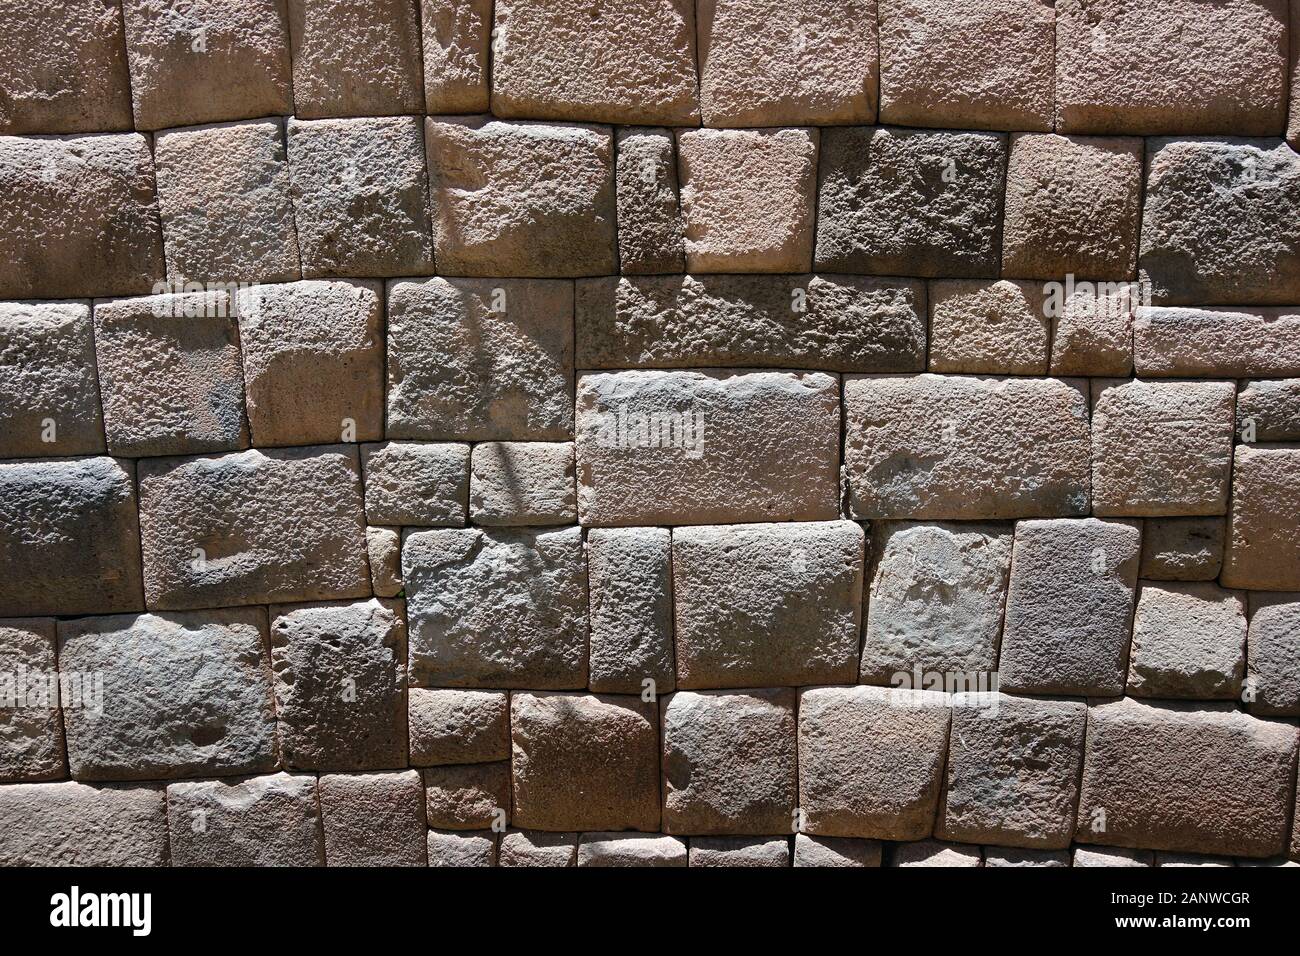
[[538, 848], [1263, 549], [982, 64], [207, 60], [373, 819], [416, 483], [631, 849], [1273, 654], [313, 361], [522, 483], [630, 588], [1182, 549], [78, 217], [935, 600], [1170, 66], [1111, 857], [1072, 207], [498, 609], [834, 323], [933, 853], [340, 685], [761, 605], [1269, 410], [1221, 222], [910, 202], [1189, 641], [1093, 332], [71, 537], [183, 695], [1161, 448], [1214, 342], [650, 231], [72, 824], [223, 193], [1070, 607], [384, 550], [947, 446], [521, 199], [729, 763], [458, 726], [745, 852], [257, 527], [1192, 778], [748, 199], [480, 359], [356, 57], [704, 447], [47, 374], [1014, 856], [169, 374], [871, 761], [31, 727], [261, 821], [461, 849], [455, 44], [360, 196], [767, 63], [835, 851], [1293, 137], [467, 797], [987, 328]]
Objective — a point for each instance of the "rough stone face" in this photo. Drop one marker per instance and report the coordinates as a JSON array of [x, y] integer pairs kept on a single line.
[[71, 538], [935, 599], [650, 230], [1072, 207], [48, 388], [1293, 137], [480, 360], [452, 848], [835, 851], [455, 45], [1269, 410], [72, 824], [700, 447], [746, 852], [1170, 66], [1014, 856], [748, 199], [1273, 654], [1112, 857], [458, 726], [501, 206], [360, 195], [934, 446], [496, 608], [31, 727], [585, 762], [537, 848], [373, 819], [631, 849], [1200, 342], [1190, 859], [257, 527], [1189, 641], [1221, 222], [1070, 607], [1093, 332], [207, 60], [630, 588], [982, 64], [182, 695], [767, 604], [416, 483], [471, 797], [340, 685], [910, 202], [729, 763], [78, 217], [987, 328], [934, 853], [261, 821], [522, 483], [1192, 778], [1182, 549], [384, 549], [1263, 549], [1161, 448]]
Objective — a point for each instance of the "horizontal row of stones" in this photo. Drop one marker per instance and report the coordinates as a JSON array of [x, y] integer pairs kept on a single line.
[[847, 763], [1197, 221], [1158, 66]]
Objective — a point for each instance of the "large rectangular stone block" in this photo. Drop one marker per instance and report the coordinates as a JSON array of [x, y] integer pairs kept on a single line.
[[272, 820], [629, 584], [31, 725], [72, 824], [1263, 550], [1217, 342]]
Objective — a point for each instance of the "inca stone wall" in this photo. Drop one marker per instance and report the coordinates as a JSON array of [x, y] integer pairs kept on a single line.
[[652, 432]]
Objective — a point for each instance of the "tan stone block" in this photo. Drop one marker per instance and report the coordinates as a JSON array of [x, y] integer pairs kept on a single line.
[[424, 484], [650, 231], [933, 853], [522, 483], [373, 819], [455, 45], [1263, 551], [1093, 327], [988, 328], [835, 851], [384, 550], [458, 726], [537, 848], [31, 725], [1268, 410], [460, 849], [1189, 641], [631, 849], [72, 824], [1182, 549], [470, 797], [1236, 343], [259, 821]]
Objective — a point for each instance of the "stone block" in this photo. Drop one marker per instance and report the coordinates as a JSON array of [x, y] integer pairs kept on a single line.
[[1184, 860], [631, 849], [468, 797], [835, 851], [538, 848], [933, 853], [629, 585], [384, 550], [458, 726], [1263, 536], [740, 852], [1182, 549], [1093, 327], [416, 483], [1269, 410], [1189, 641], [31, 726], [1015, 856], [1273, 654], [374, 819], [522, 483], [650, 230], [1293, 137], [1239, 343], [72, 824], [462, 849], [987, 328], [260, 821], [455, 46], [1111, 857]]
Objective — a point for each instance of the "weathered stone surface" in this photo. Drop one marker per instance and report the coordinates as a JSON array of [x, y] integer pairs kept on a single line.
[[1189, 641], [987, 328], [760, 605], [1273, 655], [458, 726], [500, 206], [360, 195], [746, 852], [356, 57], [1161, 448], [1269, 410], [1263, 534], [936, 854], [496, 608], [1070, 607], [373, 819], [455, 848], [455, 45], [650, 231], [631, 849], [630, 588], [871, 761], [1182, 549], [1293, 137], [834, 323], [169, 374], [182, 695], [31, 727], [835, 851], [207, 60], [78, 217], [982, 64], [384, 549], [935, 599], [1204, 342], [1112, 857], [480, 359], [537, 848], [468, 797], [1193, 778], [416, 483], [340, 685], [748, 199], [934, 446], [703, 447], [1015, 856], [766, 63], [1221, 222], [261, 821], [72, 824], [71, 538], [1190, 860], [1093, 333], [48, 388], [729, 763], [1072, 207], [522, 483], [1170, 66], [910, 202]]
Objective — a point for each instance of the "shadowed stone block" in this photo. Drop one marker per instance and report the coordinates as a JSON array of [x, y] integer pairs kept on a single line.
[[631, 849], [1182, 549], [746, 852], [1269, 410], [1189, 641], [1015, 856], [522, 483], [31, 726], [1273, 654], [458, 726], [455, 45], [1112, 857], [630, 588], [260, 821], [374, 819], [470, 797], [933, 853], [416, 483], [384, 549], [72, 824], [1263, 534]]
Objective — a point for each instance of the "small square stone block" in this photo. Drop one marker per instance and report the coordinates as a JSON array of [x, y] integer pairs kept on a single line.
[[374, 819], [522, 483], [416, 483], [458, 726], [468, 797], [1189, 641]]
